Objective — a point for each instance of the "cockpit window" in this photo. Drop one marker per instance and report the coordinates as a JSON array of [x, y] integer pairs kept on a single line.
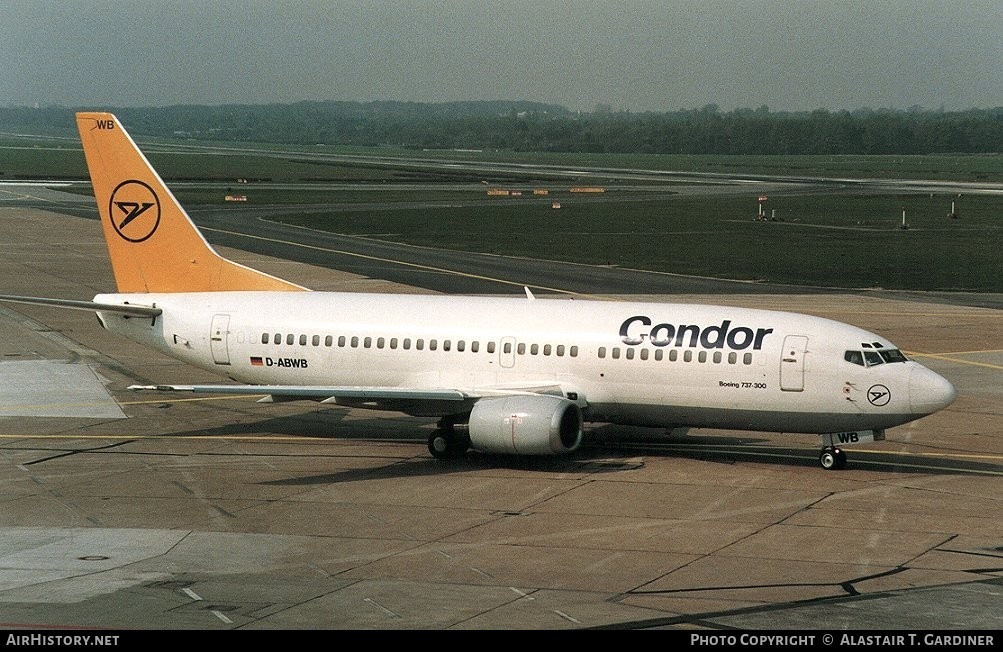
[[868, 358], [893, 355], [873, 358], [855, 357]]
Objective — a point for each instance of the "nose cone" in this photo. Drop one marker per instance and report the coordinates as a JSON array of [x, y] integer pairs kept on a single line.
[[929, 391]]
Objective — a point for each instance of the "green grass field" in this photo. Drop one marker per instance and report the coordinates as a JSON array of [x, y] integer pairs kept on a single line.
[[831, 240]]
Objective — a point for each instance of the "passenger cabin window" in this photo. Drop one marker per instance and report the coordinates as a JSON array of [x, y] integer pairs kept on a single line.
[[520, 348]]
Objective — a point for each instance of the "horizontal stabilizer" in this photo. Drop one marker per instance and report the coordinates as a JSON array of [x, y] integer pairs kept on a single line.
[[126, 309]]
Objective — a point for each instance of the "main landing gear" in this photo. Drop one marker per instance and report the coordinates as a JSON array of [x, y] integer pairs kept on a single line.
[[445, 443], [832, 458]]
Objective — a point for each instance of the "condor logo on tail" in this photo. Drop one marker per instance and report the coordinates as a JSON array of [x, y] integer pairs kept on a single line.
[[130, 201]]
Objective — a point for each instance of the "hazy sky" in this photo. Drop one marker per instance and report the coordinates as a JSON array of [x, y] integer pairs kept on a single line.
[[633, 55]]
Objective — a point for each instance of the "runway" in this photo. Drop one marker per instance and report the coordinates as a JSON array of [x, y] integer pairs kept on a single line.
[[198, 514]]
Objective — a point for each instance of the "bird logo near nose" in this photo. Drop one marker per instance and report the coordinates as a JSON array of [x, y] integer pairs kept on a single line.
[[879, 395]]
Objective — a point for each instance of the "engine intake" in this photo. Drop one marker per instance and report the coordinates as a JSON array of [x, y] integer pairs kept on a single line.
[[526, 425]]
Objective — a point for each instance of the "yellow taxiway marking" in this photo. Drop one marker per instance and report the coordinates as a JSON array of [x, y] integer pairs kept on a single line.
[[991, 457], [261, 438], [954, 311], [948, 357], [753, 451]]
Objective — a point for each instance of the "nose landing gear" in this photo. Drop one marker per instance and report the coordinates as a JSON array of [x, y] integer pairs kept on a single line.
[[832, 458]]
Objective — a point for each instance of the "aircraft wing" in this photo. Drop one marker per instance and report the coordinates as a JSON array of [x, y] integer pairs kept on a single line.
[[410, 400], [313, 392]]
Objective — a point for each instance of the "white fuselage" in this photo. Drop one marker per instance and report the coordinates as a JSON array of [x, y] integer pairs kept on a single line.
[[648, 364]]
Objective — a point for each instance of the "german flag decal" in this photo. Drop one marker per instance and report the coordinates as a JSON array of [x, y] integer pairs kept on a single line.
[[257, 362]]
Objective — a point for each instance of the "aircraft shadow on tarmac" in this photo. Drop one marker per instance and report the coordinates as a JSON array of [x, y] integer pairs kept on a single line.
[[750, 447], [606, 448]]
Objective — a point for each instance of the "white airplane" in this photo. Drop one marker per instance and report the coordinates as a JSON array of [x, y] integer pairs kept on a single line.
[[516, 375]]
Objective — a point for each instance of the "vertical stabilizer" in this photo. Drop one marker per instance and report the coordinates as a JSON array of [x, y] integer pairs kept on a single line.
[[153, 244]]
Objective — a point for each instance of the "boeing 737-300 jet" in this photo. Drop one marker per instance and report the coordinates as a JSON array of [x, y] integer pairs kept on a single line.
[[517, 375]]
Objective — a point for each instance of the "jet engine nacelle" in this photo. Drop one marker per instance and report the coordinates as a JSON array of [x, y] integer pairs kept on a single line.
[[526, 425]]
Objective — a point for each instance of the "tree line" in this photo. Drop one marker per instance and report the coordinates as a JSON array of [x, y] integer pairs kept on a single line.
[[536, 127]]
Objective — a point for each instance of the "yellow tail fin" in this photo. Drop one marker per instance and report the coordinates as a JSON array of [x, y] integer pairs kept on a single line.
[[153, 244]]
